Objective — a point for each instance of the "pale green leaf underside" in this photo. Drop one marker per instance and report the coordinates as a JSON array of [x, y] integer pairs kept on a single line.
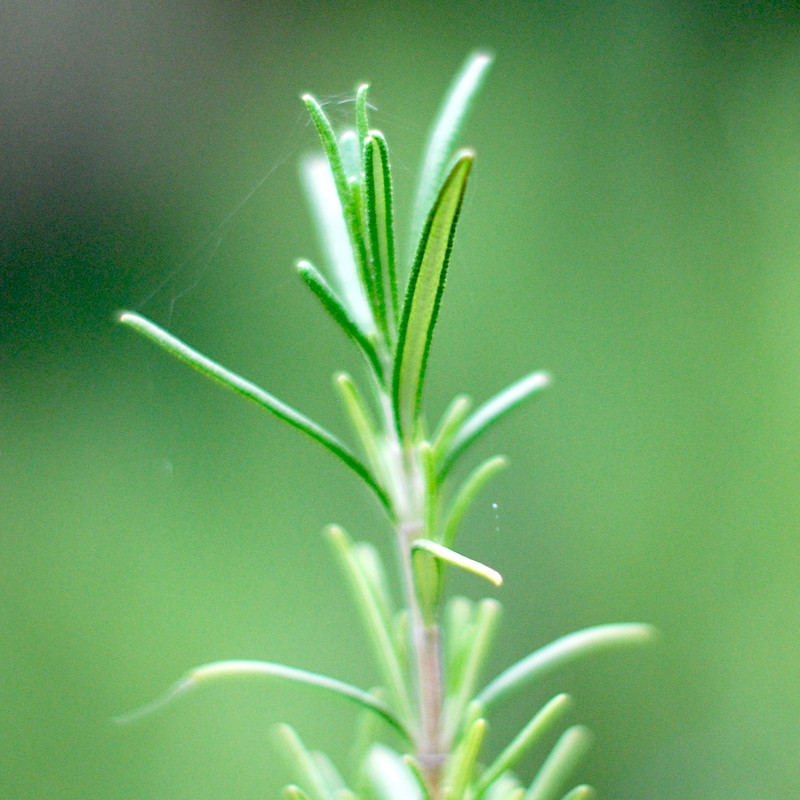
[[220, 670], [241, 386], [448, 556], [443, 135], [424, 293], [562, 651]]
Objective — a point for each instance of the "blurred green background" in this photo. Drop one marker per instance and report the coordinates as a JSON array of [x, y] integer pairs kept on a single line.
[[633, 225]]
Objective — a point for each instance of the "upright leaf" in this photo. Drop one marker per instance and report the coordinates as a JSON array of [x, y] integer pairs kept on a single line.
[[490, 412], [424, 294], [335, 235], [563, 758], [443, 134], [380, 229]]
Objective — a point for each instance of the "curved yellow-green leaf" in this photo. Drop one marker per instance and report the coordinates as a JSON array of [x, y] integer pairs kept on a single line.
[[424, 294]]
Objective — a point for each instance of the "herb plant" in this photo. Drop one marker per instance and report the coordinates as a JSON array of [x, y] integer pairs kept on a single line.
[[429, 651]]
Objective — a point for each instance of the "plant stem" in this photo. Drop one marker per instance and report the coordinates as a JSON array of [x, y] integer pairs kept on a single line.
[[426, 646], [408, 495]]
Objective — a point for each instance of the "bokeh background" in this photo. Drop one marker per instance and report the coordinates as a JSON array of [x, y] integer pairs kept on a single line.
[[633, 225]]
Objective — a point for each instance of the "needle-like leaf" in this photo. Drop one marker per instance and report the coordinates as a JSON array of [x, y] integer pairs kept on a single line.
[[375, 613], [541, 723], [302, 759], [448, 556], [477, 648], [362, 117], [424, 294], [467, 493], [558, 766], [331, 147], [221, 670], [334, 223], [380, 228], [322, 290], [463, 761], [563, 651], [249, 390], [443, 135], [491, 411]]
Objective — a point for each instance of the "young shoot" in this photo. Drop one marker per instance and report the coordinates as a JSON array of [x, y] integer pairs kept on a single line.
[[431, 713]]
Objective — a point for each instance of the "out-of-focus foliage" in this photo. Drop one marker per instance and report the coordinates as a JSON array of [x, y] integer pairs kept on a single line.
[[656, 276]]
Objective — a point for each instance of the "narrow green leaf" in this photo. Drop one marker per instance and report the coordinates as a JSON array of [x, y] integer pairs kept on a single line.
[[372, 568], [433, 493], [364, 735], [448, 556], [416, 772], [467, 493], [303, 761], [458, 633], [374, 613], [360, 419], [380, 229], [443, 135], [322, 290], [562, 651], [424, 295], [332, 777], [334, 223], [463, 761], [239, 668], [427, 581], [362, 116], [231, 380], [560, 764], [491, 411], [327, 138], [452, 419], [477, 648], [582, 792], [358, 235], [532, 733]]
